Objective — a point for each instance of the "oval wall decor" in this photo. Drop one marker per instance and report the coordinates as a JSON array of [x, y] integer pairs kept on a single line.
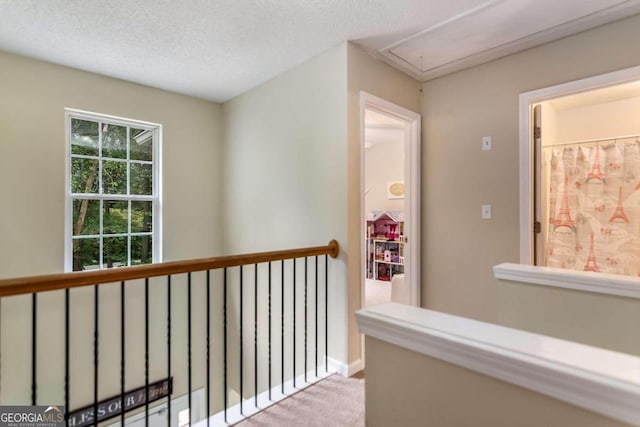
[[395, 190]]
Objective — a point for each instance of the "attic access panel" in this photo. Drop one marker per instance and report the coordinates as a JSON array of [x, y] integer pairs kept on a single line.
[[499, 25]]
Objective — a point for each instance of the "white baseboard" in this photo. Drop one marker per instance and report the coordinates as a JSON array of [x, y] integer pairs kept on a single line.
[[344, 369], [249, 407]]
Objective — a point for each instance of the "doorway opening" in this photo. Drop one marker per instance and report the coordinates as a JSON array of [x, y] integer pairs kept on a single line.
[[584, 175], [390, 202]]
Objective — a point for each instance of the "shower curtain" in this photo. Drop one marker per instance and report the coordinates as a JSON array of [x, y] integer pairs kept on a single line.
[[593, 206]]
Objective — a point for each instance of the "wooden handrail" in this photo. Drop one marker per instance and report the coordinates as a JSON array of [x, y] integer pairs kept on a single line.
[[50, 282]]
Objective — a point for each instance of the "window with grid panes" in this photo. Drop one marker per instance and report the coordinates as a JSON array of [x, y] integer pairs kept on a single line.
[[113, 217]]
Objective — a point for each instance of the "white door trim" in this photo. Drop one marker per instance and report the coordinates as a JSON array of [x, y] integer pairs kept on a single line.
[[527, 99], [412, 171]]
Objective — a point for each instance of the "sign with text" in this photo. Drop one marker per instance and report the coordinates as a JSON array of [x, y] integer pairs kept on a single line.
[[112, 407], [32, 416]]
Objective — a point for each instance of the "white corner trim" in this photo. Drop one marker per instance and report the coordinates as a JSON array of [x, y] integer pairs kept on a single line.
[[612, 284], [344, 369], [355, 367], [598, 380]]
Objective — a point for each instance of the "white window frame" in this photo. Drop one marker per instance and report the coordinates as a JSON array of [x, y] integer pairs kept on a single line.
[[598, 282], [155, 197]]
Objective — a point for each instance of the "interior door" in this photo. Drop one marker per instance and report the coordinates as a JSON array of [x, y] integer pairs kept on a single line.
[[538, 258], [412, 163]]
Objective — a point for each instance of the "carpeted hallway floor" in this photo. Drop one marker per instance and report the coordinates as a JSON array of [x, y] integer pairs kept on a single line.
[[335, 401]]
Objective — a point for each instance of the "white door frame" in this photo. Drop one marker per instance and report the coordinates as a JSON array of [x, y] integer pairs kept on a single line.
[[412, 198], [527, 100]]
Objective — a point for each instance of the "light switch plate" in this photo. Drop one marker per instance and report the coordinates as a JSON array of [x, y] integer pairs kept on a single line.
[[486, 212], [487, 143]]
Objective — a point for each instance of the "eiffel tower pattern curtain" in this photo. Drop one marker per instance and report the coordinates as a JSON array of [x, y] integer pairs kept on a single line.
[[593, 207]]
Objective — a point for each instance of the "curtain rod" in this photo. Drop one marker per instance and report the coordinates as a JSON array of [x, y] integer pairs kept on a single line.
[[591, 141]]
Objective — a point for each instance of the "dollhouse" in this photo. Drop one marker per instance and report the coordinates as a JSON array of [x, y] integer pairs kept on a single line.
[[384, 244]]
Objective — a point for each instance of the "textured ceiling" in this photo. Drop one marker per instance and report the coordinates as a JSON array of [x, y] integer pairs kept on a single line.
[[212, 49]]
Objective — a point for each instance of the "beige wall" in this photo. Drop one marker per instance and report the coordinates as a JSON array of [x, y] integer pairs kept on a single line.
[[458, 177], [383, 163], [600, 320], [379, 79], [605, 120], [405, 388], [33, 95], [285, 171], [32, 160], [288, 146]]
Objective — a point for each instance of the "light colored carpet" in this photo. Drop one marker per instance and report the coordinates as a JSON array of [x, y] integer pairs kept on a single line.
[[334, 401]]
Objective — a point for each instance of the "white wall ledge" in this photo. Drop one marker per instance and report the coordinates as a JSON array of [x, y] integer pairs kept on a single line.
[[596, 379], [612, 284]]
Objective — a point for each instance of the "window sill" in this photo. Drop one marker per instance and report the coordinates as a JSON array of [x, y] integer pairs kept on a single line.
[[602, 283]]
